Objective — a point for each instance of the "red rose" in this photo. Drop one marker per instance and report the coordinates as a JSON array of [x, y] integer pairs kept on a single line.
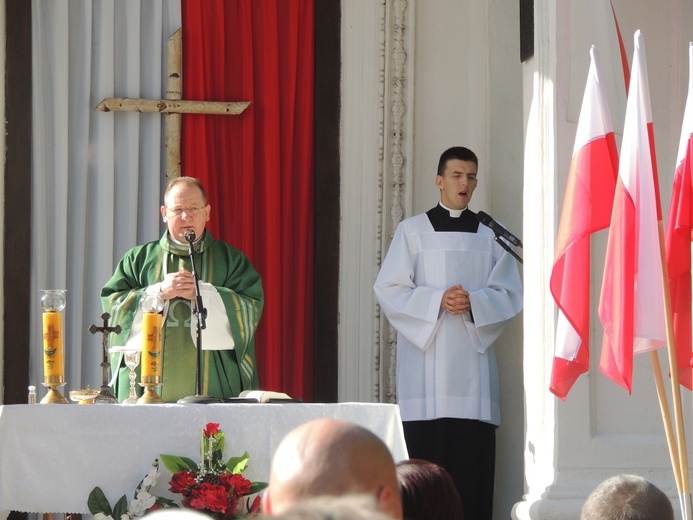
[[182, 482], [211, 497], [238, 482], [211, 429], [226, 481]]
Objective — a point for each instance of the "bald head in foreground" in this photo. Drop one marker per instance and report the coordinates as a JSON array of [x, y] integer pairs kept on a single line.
[[345, 507], [328, 457], [627, 497]]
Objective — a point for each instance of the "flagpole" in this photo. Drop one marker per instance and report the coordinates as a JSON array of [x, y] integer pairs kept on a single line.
[[678, 248], [685, 490], [666, 419]]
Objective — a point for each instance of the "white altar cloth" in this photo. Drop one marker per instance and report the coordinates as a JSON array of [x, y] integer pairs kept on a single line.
[[52, 456]]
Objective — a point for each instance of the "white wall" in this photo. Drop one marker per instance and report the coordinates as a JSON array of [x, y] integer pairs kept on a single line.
[[599, 431], [468, 92], [461, 83], [415, 81]]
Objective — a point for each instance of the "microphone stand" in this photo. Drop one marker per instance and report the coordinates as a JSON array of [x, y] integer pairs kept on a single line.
[[201, 320], [505, 246]]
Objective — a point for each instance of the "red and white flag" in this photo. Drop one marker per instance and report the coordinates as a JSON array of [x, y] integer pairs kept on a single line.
[[631, 307], [587, 206], [678, 239]]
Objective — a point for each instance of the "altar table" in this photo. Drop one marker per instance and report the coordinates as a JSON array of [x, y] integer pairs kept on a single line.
[[52, 456]]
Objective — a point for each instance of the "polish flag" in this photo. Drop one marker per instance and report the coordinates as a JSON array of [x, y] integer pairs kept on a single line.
[[631, 307], [587, 206], [678, 239]]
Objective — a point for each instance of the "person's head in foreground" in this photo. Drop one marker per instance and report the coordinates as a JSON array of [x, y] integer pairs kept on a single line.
[[345, 507], [428, 491], [328, 457], [627, 497]]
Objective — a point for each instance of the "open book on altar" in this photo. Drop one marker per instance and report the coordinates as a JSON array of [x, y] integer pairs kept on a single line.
[[264, 396]]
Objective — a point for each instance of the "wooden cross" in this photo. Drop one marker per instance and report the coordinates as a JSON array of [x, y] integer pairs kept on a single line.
[[173, 106]]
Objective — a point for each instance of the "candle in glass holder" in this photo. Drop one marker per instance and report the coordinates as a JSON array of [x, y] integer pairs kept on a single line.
[[53, 365], [53, 302], [151, 344]]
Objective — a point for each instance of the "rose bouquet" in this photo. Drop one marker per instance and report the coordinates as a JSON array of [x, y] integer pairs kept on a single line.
[[214, 487]]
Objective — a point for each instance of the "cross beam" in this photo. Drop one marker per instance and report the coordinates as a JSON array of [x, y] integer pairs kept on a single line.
[[169, 106], [173, 106]]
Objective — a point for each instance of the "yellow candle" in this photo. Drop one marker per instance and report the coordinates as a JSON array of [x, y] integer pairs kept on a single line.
[[151, 344], [53, 345]]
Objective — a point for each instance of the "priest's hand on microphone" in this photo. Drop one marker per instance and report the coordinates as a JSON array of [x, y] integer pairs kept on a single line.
[[456, 300], [178, 285]]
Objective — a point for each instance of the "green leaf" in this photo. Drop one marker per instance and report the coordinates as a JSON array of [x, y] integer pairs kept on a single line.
[[216, 458], [238, 464], [175, 464], [120, 508], [98, 503], [165, 502], [205, 446], [256, 487]]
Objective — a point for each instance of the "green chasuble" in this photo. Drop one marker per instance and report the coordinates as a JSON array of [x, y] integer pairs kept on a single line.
[[224, 373]]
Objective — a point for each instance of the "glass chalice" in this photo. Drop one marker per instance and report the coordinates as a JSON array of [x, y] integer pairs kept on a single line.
[[131, 357]]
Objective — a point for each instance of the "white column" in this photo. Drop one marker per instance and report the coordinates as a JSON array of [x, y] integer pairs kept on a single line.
[[538, 233]]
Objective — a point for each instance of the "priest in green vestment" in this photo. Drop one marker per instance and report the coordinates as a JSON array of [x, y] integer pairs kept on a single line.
[[231, 291]]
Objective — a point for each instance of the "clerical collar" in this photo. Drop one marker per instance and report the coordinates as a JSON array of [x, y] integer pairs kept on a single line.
[[454, 213], [181, 244], [444, 219]]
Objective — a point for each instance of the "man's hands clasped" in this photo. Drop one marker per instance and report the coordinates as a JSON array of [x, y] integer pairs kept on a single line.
[[456, 300], [178, 285]]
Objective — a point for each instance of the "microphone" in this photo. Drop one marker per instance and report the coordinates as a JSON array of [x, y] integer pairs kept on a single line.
[[499, 230], [189, 235]]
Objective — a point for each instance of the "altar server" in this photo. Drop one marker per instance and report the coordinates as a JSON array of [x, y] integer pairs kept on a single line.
[[231, 292], [449, 289]]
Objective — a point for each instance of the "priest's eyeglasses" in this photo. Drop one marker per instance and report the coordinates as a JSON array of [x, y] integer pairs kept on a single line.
[[188, 211]]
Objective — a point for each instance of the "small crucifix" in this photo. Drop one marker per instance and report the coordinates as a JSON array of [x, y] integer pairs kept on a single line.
[[173, 106], [105, 396], [50, 336]]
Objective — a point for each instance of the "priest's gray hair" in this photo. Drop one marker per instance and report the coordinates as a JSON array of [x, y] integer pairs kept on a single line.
[[190, 181]]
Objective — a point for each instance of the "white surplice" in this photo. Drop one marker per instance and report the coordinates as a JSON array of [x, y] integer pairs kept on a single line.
[[446, 364]]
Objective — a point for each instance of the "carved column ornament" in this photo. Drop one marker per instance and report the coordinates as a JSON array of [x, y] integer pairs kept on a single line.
[[395, 171]]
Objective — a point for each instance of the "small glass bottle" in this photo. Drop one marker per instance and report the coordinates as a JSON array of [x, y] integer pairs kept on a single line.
[[32, 394]]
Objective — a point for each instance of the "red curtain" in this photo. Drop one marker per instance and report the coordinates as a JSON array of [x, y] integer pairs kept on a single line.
[[258, 167]]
